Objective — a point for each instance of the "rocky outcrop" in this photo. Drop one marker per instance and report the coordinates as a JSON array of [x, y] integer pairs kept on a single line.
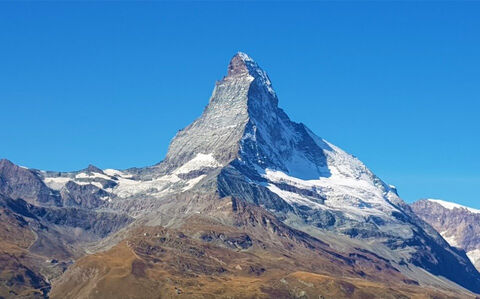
[[39, 242], [87, 196], [19, 182], [460, 226]]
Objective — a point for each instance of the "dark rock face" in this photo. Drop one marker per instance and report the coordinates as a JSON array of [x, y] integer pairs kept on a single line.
[[459, 226], [20, 279], [231, 182], [93, 169], [439, 259], [99, 223], [87, 196], [18, 182], [237, 67]]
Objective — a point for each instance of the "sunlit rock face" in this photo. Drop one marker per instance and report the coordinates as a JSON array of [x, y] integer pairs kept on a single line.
[[458, 225]]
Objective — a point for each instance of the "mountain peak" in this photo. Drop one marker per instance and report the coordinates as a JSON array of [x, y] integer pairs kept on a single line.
[[93, 168], [5, 162], [238, 64], [241, 64]]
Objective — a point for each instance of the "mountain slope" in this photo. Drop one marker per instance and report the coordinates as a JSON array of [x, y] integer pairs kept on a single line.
[[305, 181], [241, 183], [41, 237], [459, 225]]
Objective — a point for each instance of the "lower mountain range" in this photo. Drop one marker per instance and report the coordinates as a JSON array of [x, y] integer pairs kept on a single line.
[[246, 204], [459, 225]]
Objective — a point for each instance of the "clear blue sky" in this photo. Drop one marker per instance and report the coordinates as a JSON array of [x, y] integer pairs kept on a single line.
[[396, 84]]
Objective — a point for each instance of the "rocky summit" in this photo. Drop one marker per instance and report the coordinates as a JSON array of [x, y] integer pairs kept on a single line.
[[246, 204]]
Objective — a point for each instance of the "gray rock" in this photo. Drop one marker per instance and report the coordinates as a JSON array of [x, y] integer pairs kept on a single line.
[[19, 182], [460, 226]]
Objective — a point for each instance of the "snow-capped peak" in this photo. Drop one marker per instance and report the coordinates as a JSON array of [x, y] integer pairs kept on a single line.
[[244, 56], [452, 205], [243, 65]]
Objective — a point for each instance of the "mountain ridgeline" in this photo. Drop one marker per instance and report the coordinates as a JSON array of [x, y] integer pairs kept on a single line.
[[246, 203]]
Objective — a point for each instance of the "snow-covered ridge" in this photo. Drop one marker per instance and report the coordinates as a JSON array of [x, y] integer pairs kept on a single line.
[[355, 196], [124, 185], [256, 71], [452, 205], [92, 175], [200, 161], [56, 183]]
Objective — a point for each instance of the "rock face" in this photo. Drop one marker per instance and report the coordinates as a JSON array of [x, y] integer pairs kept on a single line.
[[44, 230], [16, 181], [242, 182], [459, 225]]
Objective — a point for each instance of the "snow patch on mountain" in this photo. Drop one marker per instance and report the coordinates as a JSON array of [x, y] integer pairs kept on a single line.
[[358, 197], [92, 175], [340, 163], [451, 205], [116, 173], [156, 187], [474, 256], [56, 183], [294, 198], [200, 161]]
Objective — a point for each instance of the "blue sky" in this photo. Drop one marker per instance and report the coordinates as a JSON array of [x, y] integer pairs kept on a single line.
[[396, 84]]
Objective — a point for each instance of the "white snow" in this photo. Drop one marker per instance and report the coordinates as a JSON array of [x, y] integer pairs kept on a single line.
[[293, 198], [127, 187], [474, 255], [345, 182], [84, 175], [56, 183], [117, 173], [357, 197], [157, 187], [200, 161], [300, 167], [192, 182], [451, 205], [342, 164], [96, 184]]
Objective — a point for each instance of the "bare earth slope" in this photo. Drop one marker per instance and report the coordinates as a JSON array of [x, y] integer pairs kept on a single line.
[[208, 259]]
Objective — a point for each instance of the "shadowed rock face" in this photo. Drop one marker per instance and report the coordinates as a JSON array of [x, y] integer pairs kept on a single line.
[[459, 226], [18, 182], [244, 194], [87, 196]]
